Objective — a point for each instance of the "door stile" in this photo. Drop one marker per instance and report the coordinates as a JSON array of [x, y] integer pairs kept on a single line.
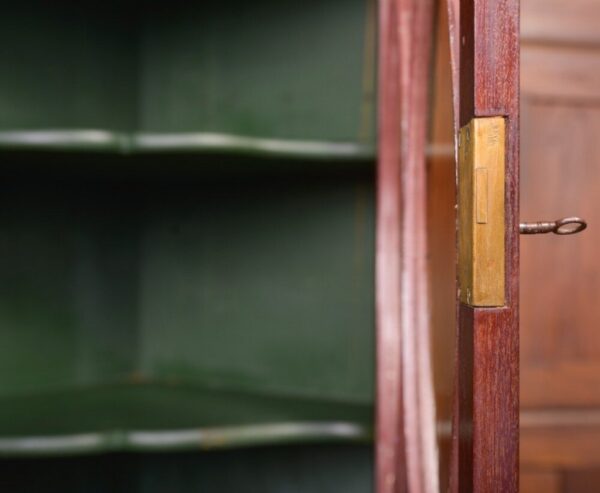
[[487, 397]]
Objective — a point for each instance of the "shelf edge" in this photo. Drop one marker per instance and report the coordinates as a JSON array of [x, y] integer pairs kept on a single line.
[[98, 140], [224, 437]]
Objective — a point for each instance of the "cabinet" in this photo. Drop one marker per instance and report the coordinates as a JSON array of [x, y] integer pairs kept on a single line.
[[186, 243]]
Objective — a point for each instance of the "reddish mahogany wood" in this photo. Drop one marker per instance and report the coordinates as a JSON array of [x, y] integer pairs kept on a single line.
[[405, 426], [454, 33], [487, 400], [488, 424], [390, 475], [489, 58]]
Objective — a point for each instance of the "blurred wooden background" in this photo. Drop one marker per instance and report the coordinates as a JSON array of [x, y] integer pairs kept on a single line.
[[560, 276]]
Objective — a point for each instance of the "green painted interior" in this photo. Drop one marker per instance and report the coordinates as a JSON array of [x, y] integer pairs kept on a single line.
[[186, 245], [127, 300], [282, 70]]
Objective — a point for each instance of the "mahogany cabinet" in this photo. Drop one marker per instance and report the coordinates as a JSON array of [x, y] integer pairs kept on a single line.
[[230, 234]]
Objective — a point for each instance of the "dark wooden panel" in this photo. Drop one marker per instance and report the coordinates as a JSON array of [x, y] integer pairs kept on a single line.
[[560, 444], [586, 481], [540, 481], [561, 276], [560, 83]]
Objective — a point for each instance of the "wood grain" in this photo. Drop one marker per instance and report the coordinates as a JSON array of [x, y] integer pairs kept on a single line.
[[488, 431], [390, 474], [488, 355], [489, 58], [405, 426]]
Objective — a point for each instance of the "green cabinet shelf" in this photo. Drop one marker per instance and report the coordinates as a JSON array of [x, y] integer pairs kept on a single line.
[[127, 77], [155, 303], [123, 143], [164, 288]]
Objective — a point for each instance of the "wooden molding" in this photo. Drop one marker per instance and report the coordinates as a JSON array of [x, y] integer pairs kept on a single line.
[[405, 423]]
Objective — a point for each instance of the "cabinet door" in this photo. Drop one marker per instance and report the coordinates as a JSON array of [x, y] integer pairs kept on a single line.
[[485, 409], [487, 400], [405, 439]]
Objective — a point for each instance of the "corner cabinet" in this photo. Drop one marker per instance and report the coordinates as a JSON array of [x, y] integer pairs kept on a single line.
[[187, 246], [229, 240]]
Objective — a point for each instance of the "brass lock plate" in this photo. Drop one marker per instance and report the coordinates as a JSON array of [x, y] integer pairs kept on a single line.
[[481, 221]]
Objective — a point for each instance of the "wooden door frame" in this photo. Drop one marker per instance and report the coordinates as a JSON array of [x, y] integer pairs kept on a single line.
[[487, 394], [485, 44]]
